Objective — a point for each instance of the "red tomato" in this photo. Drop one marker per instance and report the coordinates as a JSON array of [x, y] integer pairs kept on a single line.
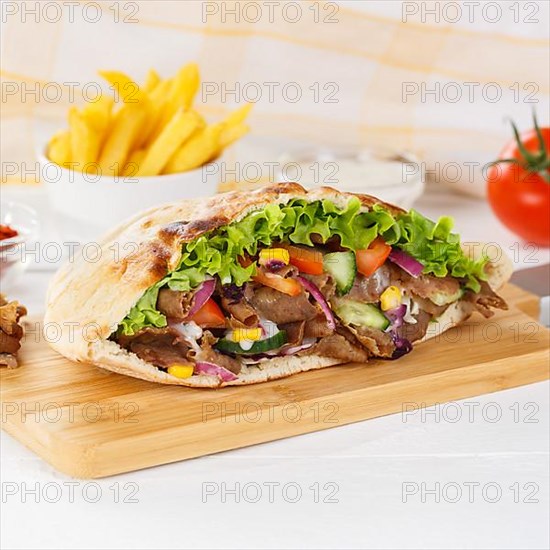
[[519, 191], [307, 260], [286, 285], [209, 315], [371, 258]]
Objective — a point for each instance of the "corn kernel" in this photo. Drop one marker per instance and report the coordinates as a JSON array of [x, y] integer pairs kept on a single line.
[[269, 256], [390, 298], [181, 371], [240, 334]]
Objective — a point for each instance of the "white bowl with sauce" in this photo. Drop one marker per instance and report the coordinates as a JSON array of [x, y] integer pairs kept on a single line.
[[394, 178]]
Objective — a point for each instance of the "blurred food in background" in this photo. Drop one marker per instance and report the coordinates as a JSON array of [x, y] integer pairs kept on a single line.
[[11, 332], [19, 226], [7, 232], [155, 130], [518, 184], [392, 177]]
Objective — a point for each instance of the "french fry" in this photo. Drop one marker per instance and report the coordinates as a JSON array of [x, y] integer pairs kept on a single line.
[[157, 100], [179, 129], [234, 129], [201, 123], [98, 116], [196, 151], [84, 141], [161, 90], [239, 115], [134, 162], [232, 133], [181, 94], [148, 113], [121, 139], [124, 87], [59, 148], [187, 83], [229, 135], [151, 81]]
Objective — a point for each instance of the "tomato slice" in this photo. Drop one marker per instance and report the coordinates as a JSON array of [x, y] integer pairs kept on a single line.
[[244, 261], [285, 285], [307, 260], [371, 258], [209, 315]]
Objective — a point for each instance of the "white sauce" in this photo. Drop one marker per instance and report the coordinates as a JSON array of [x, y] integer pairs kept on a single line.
[[412, 309], [269, 328], [246, 344], [349, 172], [191, 332]]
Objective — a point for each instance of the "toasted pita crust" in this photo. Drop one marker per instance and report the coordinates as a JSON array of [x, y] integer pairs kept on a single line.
[[88, 298]]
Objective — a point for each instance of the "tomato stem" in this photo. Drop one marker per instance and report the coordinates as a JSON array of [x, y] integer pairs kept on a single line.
[[534, 163]]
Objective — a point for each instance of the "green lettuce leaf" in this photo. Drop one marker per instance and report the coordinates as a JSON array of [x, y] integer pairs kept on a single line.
[[217, 252]]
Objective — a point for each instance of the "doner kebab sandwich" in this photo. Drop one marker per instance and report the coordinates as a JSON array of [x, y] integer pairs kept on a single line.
[[246, 287]]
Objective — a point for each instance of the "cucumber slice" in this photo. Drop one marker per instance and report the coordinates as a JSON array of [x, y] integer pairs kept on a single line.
[[274, 342], [343, 269], [361, 314], [442, 299]]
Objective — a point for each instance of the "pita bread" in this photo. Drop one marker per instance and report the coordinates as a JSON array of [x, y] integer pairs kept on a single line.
[[88, 297]]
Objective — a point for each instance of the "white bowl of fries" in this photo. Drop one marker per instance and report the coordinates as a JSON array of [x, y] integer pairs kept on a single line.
[[88, 205], [139, 147]]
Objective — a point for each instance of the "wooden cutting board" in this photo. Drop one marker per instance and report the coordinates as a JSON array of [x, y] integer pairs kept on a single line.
[[91, 423]]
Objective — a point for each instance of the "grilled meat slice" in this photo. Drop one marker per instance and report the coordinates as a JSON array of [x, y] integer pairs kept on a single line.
[[324, 283], [427, 305], [369, 289], [11, 332], [485, 299], [415, 331], [378, 343], [8, 360], [298, 330], [338, 346], [162, 347], [317, 327], [11, 343], [241, 311], [175, 304], [281, 308], [210, 355], [294, 332], [10, 313]]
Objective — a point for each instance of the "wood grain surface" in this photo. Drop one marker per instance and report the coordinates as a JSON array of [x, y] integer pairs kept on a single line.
[[92, 423]]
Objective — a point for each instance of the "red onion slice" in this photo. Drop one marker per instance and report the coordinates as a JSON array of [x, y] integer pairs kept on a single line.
[[402, 346], [406, 262], [291, 350], [318, 296], [215, 370], [201, 296], [396, 316]]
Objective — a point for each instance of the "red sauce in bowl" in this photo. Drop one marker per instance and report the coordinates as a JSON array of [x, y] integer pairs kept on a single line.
[[7, 232]]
